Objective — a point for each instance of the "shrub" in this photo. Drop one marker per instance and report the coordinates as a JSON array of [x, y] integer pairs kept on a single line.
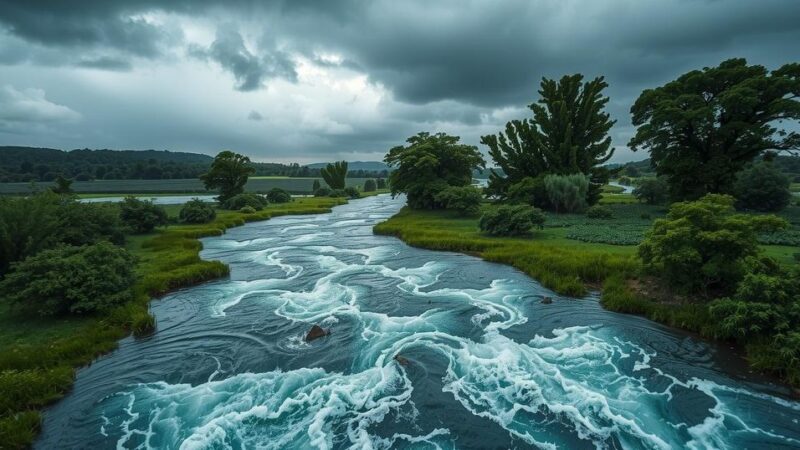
[[511, 220], [701, 246], [762, 187], [197, 211], [70, 279], [322, 192], [278, 195], [336, 193], [653, 191], [351, 192], [381, 183], [87, 223], [464, 199], [247, 209], [599, 212], [370, 185], [239, 201], [529, 191], [315, 186], [142, 215], [567, 193]]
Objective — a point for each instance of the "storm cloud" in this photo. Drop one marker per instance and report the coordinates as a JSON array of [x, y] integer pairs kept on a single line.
[[353, 77]]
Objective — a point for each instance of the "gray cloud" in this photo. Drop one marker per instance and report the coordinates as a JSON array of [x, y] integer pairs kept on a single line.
[[255, 115]]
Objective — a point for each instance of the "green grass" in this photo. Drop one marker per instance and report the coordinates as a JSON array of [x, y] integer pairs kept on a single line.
[[610, 199], [794, 187], [38, 356]]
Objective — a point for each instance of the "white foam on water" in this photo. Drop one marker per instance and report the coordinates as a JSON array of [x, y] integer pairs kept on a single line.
[[299, 227]]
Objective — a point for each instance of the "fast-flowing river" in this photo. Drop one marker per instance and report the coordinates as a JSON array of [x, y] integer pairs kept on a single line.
[[483, 363]]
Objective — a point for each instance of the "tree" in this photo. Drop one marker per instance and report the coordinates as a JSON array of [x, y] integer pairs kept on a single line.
[[370, 185], [429, 164], [228, 173], [568, 134], [335, 174], [653, 191], [466, 200], [761, 187], [315, 186], [702, 246], [508, 220], [68, 279], [704, 127], [197, 211], [381, 183], [62, 186], [567, 193], [142, 215]]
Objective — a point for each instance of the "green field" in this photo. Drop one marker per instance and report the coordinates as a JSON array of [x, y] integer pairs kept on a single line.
[[146, 187]]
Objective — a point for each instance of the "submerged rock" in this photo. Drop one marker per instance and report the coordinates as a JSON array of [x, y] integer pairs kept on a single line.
[[547, 300], [400, 360], [316, 332]]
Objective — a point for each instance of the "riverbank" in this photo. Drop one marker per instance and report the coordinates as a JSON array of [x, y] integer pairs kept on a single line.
[[569, 267], [39, 356]]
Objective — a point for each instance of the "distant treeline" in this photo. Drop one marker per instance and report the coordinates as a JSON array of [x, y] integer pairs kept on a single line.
[[26, 164], [789, 165]]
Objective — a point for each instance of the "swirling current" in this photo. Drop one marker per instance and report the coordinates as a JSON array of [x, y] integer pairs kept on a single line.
[[483, 363]]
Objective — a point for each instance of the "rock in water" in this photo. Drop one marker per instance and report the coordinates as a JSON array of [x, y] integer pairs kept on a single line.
[[400, 360], [547, 300], [316, 332]]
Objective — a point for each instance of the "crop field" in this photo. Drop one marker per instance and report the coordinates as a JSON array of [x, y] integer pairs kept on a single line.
[[255, 184]]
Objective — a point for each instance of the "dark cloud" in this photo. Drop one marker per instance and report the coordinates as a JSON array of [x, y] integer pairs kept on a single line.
[[255, 115], [105, 63]]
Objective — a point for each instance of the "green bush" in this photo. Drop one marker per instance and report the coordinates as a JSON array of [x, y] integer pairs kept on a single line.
[[322, 192], [197, 211], [599, 212], [511, 220], [653, 191], [370, 185], [529, 191], [70, 279], [278, 195], [762, 187], [247, 209], [381, 183], [464, 199], [351, 192], [142, 215], [239, 201], [701, 246], [567, 193], [315, 186]]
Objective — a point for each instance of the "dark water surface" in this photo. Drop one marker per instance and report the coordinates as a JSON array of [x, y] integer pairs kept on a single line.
[[489, 366]]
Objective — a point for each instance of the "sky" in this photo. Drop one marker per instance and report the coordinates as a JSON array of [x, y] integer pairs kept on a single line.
[[308, 81]]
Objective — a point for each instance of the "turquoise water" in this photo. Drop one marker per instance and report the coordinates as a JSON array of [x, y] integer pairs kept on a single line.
[[488, 365]]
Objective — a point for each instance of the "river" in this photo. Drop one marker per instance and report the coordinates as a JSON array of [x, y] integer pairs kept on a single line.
[[484, 364]]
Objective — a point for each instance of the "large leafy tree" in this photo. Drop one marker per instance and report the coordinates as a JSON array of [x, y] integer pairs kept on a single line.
[[429, 164], [568, 134], [228, 173], [335, 174], [704, 127]]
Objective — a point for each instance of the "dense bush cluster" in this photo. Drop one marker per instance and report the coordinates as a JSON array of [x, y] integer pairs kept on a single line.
[[510, 220], [142, 216], [197, 211], [599, 212], [567, 193], [322, 192], [239, 201], [466, 200], [278, 195], [653, 191], [370, 185], [762, 187]]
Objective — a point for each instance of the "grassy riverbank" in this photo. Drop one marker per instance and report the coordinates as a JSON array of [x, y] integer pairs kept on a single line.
[[38, 357], [567, 258]]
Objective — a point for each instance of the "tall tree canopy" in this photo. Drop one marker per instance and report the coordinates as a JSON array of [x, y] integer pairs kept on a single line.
[[228, 173], [704, 127], [430, 164], [335, 174], [568, 134]]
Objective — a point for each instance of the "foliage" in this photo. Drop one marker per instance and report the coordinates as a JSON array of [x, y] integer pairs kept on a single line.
[[247, 209], [315, 186], [239, 201], [351, 192], [370, 185], [762, 187], [322, 192], [567, 193], [701, 246], [599, 212], [530, 191], [510, 220], [334, 174], [141, 215], [653, 191], [62, 186], [704, 127], [70, 279], [466, 200], [278, 195], [197, 211], [381, 183], [429, 164], [228, 173], [568, 134]]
